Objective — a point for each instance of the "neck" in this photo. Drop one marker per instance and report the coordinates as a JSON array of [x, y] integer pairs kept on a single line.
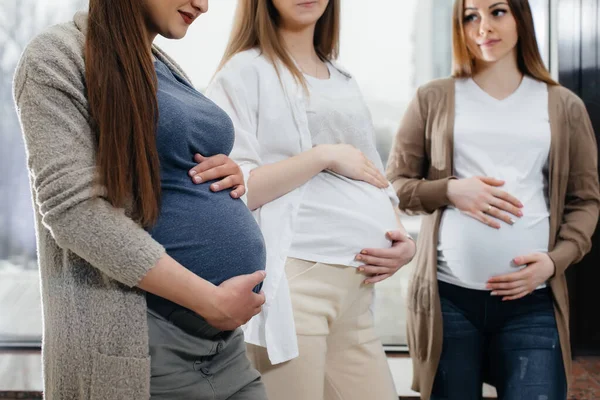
[[503, 73], [299, 43]]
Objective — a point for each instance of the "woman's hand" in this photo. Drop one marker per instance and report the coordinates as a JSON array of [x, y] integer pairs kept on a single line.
[[216, 167], [234, 303], [347, 160], [480, 198], [519, 284], [380, 264]]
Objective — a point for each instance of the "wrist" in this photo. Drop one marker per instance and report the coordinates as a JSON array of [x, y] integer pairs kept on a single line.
[[206, 304], [322, 154], [449, 187]]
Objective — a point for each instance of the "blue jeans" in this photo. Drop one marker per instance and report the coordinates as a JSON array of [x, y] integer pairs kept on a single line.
[[513, 345]]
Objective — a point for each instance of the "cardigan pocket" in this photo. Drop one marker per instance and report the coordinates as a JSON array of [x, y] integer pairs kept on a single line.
[[120, 378]]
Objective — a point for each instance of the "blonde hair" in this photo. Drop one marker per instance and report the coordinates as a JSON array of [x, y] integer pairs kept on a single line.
[[529, 59], [256, 26]]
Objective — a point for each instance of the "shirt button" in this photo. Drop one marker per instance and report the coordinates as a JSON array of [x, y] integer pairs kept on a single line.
[[205, 371], [220, 347]]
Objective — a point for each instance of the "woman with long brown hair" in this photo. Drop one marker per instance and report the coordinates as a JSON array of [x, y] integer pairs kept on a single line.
[[147, 272], [306, 145], [502, 162]]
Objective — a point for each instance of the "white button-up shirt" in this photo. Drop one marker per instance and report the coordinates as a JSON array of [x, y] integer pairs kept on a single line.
[[271, 125]]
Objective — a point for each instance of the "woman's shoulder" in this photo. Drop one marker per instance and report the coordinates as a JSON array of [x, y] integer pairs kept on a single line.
[[53, 57], [440, 86], [246, 64], [565, 98]]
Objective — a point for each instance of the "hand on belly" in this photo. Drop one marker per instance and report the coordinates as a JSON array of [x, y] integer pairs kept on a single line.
[[480, 198], [380, 264], [538, 269]]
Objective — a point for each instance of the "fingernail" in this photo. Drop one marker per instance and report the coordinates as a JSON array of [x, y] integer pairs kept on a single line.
[[512, 221], [234, 195], [197, 179], [363, 252], [494, 294], [361, 269], [215, 187], [358, 257], [192, 172]]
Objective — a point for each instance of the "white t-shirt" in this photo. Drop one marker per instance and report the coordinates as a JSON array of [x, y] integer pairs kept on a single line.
[[338, 216], [506, 139]]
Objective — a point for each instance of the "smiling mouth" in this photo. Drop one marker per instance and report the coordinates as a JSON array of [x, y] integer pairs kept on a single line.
[[187, 17], [489, 43]]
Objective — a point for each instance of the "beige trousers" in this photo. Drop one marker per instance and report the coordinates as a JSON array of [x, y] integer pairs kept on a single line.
[[341, 356]]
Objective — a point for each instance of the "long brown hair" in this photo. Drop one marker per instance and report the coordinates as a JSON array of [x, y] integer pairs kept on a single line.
[[529, 59], [121, 90], [256, 26]]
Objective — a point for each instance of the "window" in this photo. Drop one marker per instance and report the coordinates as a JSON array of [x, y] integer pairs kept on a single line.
[[391, 47]]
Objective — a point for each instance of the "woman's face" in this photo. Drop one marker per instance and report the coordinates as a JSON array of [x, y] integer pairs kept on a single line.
[[172, 18], [299, 14], [490, 30]]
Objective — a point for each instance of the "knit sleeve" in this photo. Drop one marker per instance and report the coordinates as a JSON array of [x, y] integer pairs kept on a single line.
[[61, 156]]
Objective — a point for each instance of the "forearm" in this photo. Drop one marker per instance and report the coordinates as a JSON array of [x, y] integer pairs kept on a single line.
[[172, 281], [421, 196], [271, 181]]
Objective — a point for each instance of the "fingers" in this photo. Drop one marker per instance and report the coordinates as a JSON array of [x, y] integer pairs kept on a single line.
[[506, 206], [512, 277], [511, 285], [260, 298], [527, 259], [491, 181], [377, 278], [377, 179], [216, 172], [510, 292], [207, 163], [378, 261], [396, 236], [229, 182], [501, 194], [502, 216], [238, 191], [372, 270], [370, 176], [482, 217], [249, 281]]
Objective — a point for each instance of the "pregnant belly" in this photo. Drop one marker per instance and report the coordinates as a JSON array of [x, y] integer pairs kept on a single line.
[[472, 252], [340, 217], [211, 234]]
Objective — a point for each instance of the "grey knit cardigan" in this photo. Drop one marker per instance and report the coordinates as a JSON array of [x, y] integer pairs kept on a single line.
[[91, 255]]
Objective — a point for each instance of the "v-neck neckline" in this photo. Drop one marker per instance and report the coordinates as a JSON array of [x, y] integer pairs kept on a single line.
[[485, 96]]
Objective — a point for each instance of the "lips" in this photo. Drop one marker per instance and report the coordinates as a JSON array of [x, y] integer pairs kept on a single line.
[[188, 18], [489, 43]]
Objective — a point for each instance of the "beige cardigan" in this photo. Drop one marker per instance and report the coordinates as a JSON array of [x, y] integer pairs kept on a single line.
[[91, 255], [420, 166]]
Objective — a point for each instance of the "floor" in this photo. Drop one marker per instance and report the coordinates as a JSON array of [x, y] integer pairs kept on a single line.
[[20, 377]]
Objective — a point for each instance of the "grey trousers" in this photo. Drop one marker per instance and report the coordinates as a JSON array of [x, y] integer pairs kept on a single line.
[[199, 362]]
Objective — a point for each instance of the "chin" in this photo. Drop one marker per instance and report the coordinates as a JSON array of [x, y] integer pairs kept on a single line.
[[176, 34], [305, 21]]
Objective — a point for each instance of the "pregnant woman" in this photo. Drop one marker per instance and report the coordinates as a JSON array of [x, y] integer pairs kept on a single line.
[[306, 144], [111, 126], [503, 162]]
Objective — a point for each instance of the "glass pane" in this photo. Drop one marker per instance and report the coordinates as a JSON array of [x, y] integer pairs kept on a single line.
[[391, 47], [20, 308]]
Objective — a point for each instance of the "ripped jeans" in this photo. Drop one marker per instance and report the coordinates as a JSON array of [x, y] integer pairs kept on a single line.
[[513, 345]]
